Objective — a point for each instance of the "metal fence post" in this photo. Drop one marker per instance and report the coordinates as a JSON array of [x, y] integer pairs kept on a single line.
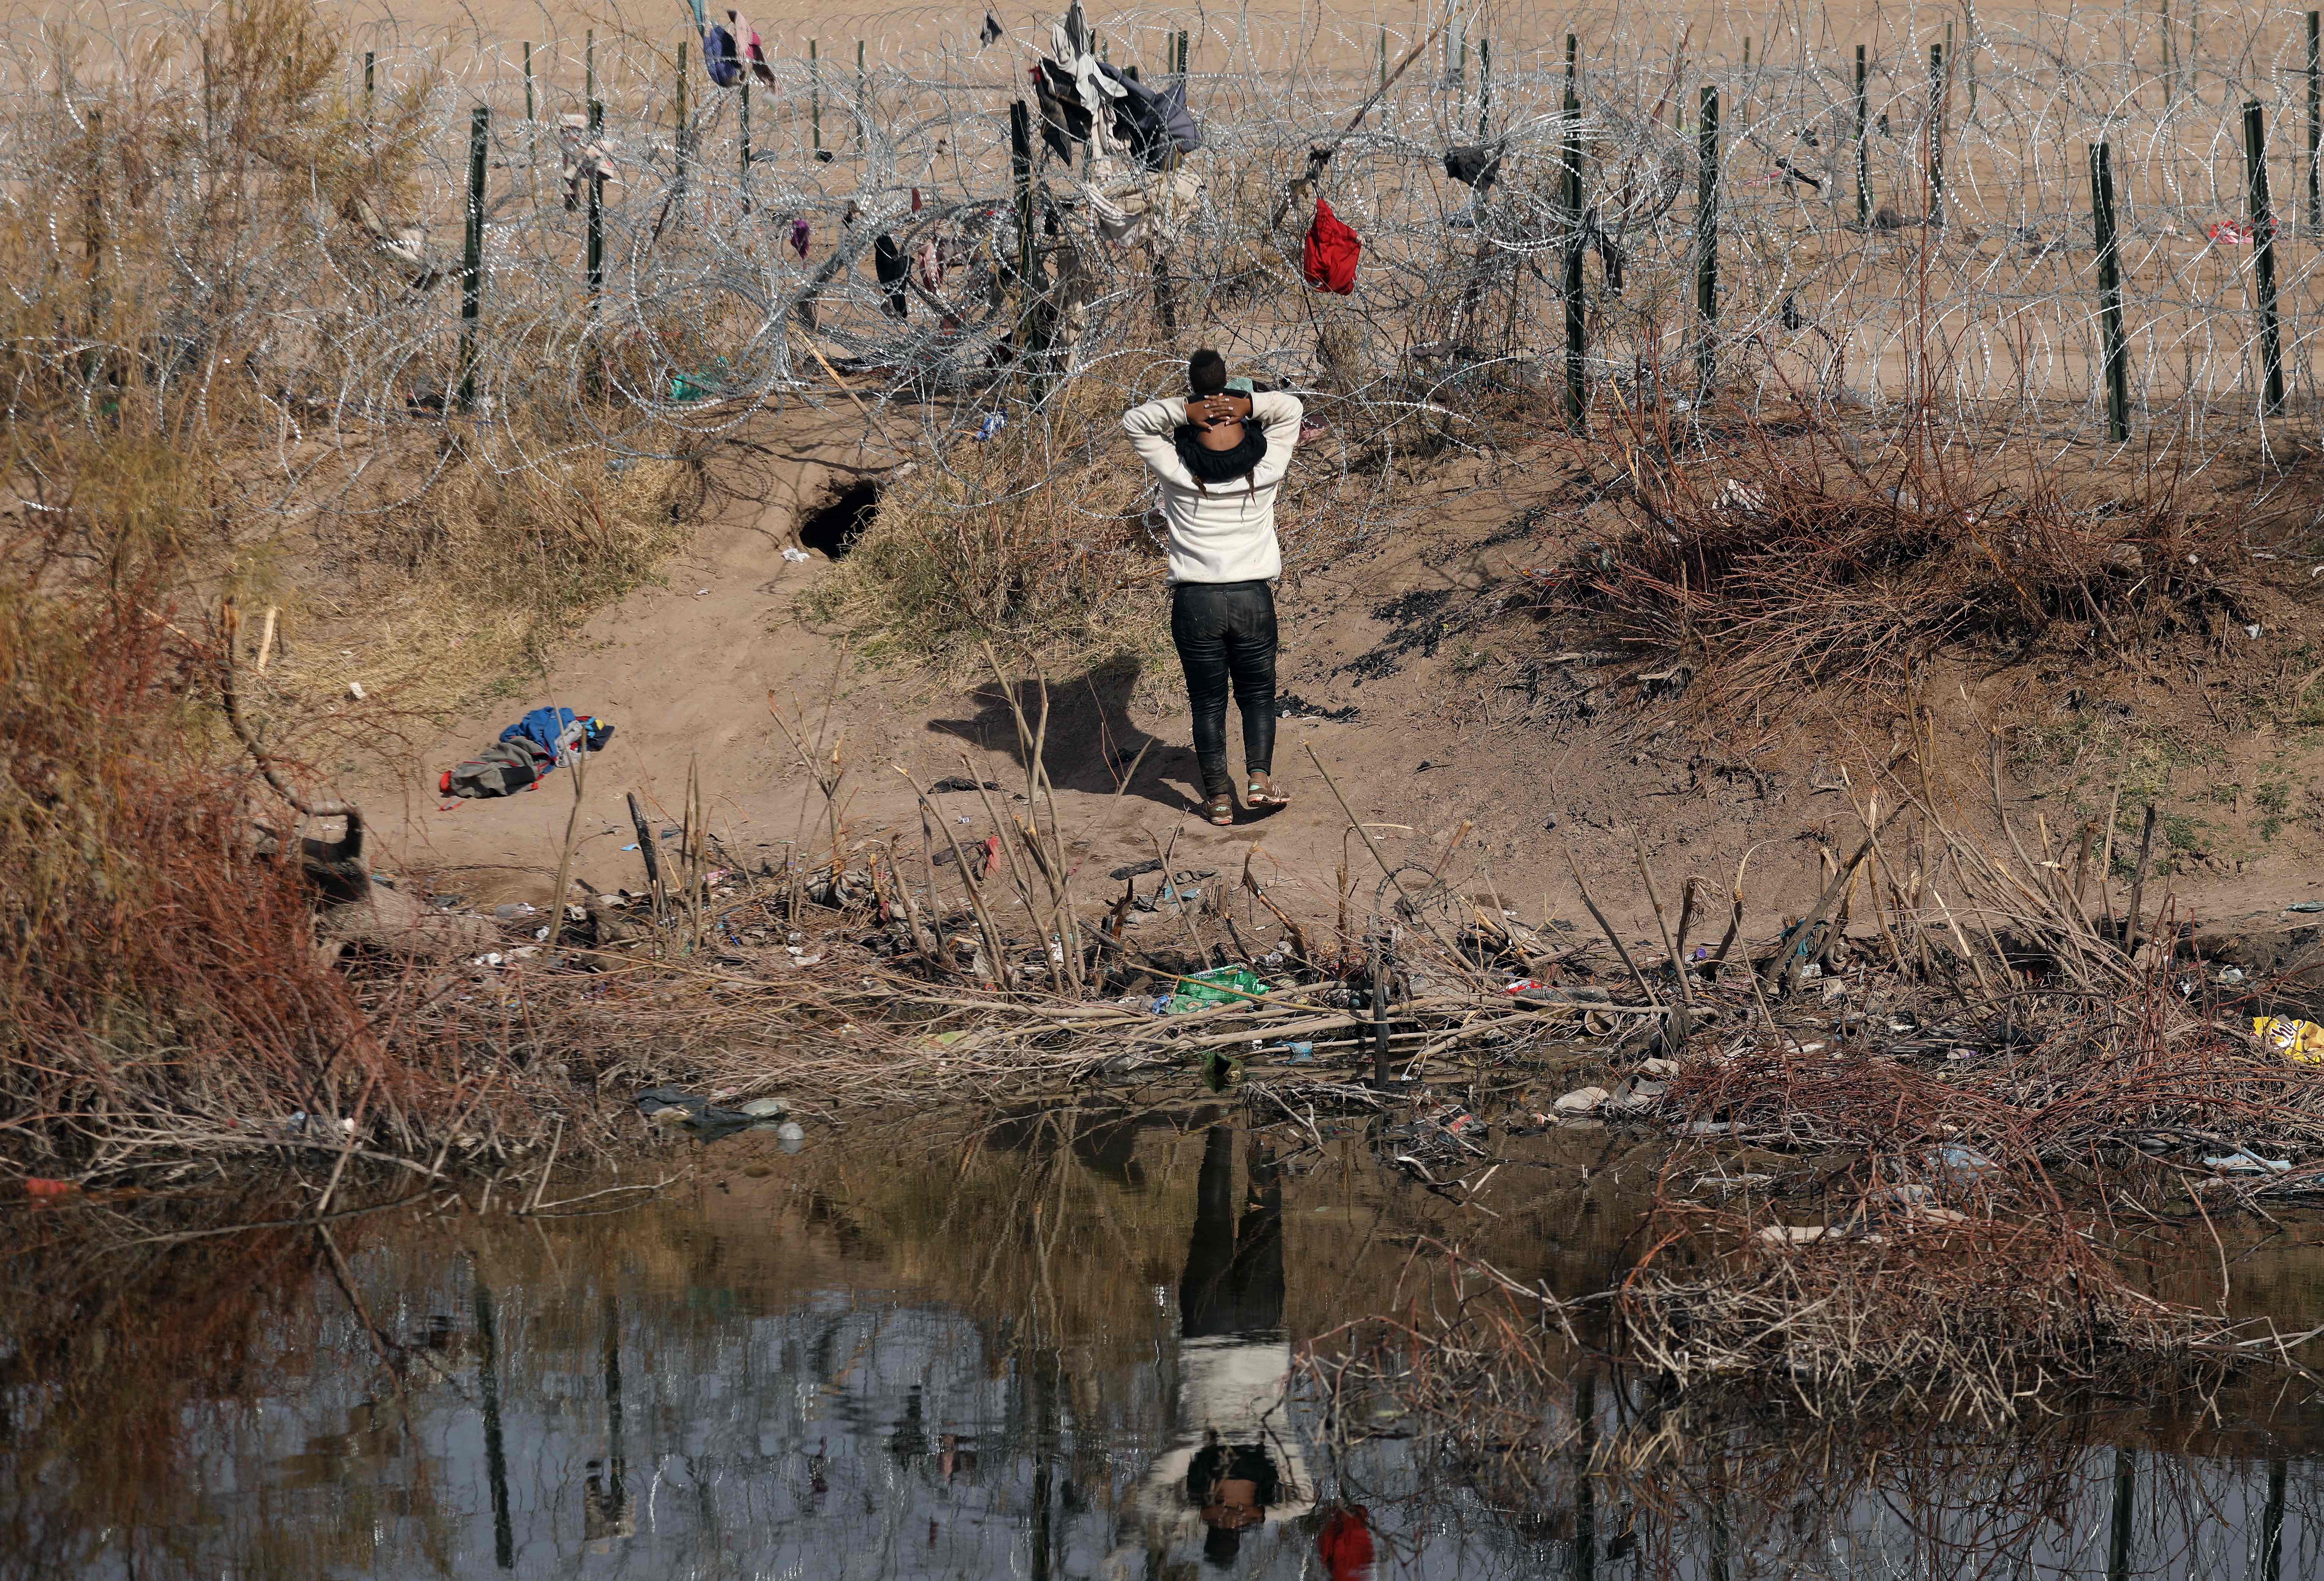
[[1577, 389], [2115, 366], [1021, 165], [2169, 72], [596, 202], [530, 112], [744, 123], [1706, 241], [1936, 135], [2271, 349], [1031, 334], [2315, 120], [1484, 83], [1863, 153], [472, 256], [814, 91], [863, 126], [679, 155], [371, 60]]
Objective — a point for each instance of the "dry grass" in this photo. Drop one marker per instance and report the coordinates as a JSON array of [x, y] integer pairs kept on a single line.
[[462, 589], [1970, 1321], [149, 954], [1789, 559], [166, 365], [1067, 572]]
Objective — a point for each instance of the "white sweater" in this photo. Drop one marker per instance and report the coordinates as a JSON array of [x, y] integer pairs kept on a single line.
[[1225, 533]]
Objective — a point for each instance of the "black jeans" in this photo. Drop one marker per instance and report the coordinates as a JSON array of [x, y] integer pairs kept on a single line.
[[1225, 635]]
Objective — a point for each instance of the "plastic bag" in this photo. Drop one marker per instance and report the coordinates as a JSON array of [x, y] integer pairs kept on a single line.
[[2298, 1040], [1220, 985]]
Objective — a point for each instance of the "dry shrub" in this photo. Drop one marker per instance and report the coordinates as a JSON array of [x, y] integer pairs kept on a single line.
[[152, 961], [472, 579], [124, 300], [960, 553], [167, 367], [1967, 1321], [2065, 1096], [199, 264], [1791, 560]]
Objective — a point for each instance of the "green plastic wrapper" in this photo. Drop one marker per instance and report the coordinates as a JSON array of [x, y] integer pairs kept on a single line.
[[1218, 985]]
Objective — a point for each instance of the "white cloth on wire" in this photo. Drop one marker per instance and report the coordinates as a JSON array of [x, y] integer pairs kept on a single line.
[[1129, 208]]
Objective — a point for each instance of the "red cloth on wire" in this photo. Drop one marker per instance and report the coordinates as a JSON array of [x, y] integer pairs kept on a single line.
[[1345, 1543], [1332, 249]]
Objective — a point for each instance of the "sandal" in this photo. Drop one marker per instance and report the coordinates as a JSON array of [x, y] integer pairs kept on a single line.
[[1219, 809], [1261, 794]]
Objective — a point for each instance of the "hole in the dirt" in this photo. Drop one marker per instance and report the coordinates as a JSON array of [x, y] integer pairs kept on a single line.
[[833, 527]]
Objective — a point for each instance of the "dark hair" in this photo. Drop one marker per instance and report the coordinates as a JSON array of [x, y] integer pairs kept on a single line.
[[1206, 373]]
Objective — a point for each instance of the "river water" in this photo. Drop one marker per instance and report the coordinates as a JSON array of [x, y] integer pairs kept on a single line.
[[966, 1348]]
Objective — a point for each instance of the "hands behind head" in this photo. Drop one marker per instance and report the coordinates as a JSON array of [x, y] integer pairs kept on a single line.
[[1217, 410]]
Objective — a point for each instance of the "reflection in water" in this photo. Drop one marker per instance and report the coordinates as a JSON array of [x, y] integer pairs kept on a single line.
[[1063, 1351], [488, 1389], [1231, 1463], [604, 1498]]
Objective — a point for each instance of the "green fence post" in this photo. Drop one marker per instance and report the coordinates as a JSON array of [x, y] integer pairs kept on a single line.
[[1706, 242], [1863, 153], [370, 61], [472, 258], [814, 91], [1183, 42], [2125, 1528], [530, 111], [2271, 349], [1383, 60], [862, 127], [589, 67], [2114, 366]]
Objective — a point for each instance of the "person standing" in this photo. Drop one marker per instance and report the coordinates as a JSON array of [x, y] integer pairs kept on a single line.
[[1220, 456]]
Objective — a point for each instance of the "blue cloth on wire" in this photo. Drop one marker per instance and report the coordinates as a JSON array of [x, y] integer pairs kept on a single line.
[[722, 57]]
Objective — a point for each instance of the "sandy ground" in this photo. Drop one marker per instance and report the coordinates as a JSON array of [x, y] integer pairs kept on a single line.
[[1389, 630], [685, 671]]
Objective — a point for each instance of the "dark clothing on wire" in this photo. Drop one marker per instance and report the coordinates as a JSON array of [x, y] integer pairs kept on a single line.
[[1225, 636], [894, 274], [1472, 166]]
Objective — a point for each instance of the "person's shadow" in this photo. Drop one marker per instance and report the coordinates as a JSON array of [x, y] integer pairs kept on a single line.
[[1089, 744]]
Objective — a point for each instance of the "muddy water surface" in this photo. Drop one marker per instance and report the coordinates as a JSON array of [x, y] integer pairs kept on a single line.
[[1048, 1347]]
